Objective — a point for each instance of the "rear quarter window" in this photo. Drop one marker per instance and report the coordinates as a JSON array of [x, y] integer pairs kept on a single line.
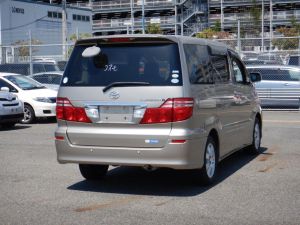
[[203, 68]]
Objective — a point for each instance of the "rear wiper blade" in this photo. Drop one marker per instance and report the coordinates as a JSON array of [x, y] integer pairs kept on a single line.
[[124, 84]]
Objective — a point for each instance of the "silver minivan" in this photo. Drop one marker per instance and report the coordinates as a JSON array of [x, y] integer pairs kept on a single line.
[[155, 101]]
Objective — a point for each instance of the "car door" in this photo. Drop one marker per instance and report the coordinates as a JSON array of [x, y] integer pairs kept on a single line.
[[279, 87], [243, 101]]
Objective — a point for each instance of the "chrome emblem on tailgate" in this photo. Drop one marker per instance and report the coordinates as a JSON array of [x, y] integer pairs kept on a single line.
[[114, 95]]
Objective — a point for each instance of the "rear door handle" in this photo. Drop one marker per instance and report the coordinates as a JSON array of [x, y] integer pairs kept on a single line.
[[286, 84]]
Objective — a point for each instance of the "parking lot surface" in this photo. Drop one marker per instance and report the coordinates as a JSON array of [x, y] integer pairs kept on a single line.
[[262, 189]]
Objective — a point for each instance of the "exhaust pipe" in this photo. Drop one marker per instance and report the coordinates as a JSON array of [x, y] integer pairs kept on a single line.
[[149, 168]]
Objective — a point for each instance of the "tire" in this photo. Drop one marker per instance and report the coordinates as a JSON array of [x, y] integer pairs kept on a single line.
[[29, 115], [93, 172], [255, 148], [209, 169]]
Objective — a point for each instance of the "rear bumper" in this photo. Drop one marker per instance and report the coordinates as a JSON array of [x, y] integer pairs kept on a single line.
[[14, 118], [189, 155]]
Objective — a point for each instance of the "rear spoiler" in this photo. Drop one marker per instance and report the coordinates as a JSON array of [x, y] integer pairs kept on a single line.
[[124, 40]]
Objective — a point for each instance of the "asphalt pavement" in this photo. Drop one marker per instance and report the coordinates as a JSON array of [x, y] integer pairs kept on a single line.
[[260, 190]]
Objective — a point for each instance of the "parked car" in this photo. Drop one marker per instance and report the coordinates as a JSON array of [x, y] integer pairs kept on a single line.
[[279, 87], [249, 56], [11, 108], [293, 60], [254, 62], [50, 79], [38, 100], [270, 58], [24, 68], [62, 64], [155, 101], [44, 60]]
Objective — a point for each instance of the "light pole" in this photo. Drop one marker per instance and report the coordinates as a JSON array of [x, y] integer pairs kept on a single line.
[[132, 16], [262, 24], [271, 24], [64, 29], [222, 16], [143, 16]]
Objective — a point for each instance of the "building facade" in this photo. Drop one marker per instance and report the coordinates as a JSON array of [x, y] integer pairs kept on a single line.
[[22, 19], [185, 17], [250, 12]]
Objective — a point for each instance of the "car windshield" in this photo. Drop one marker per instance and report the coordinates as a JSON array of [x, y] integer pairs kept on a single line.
[[48, 78], [51, 67], [154, 64], [294, 60], [23, 82]]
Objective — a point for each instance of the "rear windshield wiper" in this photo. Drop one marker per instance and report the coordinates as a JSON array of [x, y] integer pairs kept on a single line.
[[124, 84]]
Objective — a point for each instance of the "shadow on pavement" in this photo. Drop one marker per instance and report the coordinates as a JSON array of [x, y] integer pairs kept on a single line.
[[16, 127], [162, 182], [46, 120]]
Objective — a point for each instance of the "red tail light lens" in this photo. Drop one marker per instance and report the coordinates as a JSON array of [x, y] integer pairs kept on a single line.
[[172, 110], [66, 111]]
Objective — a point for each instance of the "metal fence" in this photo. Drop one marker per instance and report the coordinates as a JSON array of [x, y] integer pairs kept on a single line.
[[280, 87]]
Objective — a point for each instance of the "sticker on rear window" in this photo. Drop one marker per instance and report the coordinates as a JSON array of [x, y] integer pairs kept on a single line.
[[174, 75], [174, 81], [175, 71], [65, 80], [111, 68]]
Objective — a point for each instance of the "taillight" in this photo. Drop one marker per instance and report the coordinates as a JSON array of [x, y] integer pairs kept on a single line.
[[172, 110], [66, 111]]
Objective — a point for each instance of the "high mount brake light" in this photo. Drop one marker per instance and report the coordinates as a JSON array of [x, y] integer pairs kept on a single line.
[[66, 111], [172, 110], [119, 40]]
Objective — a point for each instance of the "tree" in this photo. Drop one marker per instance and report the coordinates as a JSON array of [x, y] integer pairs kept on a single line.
[[73, 37], [210, 33], [255, 18], [217, 26], [23, 46], [288, 43], [154, 28]]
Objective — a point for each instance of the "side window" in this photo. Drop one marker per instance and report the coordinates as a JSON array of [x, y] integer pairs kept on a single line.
[[38, 68], [41, 78], [199, 64], [220, 68], [239, 72], [5, 84]]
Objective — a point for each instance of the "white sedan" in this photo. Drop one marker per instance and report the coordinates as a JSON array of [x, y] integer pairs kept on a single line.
[[38, 100]]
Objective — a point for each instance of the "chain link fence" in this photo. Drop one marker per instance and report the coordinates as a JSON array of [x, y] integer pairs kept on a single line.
[[279, 88]]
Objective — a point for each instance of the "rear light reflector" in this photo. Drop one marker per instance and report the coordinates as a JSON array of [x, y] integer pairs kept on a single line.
[[66, 111], [172, 110], [178, 141], [59, 138]]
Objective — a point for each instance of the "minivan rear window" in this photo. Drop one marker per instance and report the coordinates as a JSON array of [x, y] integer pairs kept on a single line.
[[156, 64]]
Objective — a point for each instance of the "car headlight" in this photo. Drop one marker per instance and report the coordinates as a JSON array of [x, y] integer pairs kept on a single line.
[[42, 99]]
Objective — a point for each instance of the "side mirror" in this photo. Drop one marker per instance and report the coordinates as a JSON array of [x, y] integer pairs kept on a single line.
[[6, 89], [255, 77]]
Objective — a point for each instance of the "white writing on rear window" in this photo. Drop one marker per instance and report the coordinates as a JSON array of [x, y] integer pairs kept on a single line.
[[110, 68]]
